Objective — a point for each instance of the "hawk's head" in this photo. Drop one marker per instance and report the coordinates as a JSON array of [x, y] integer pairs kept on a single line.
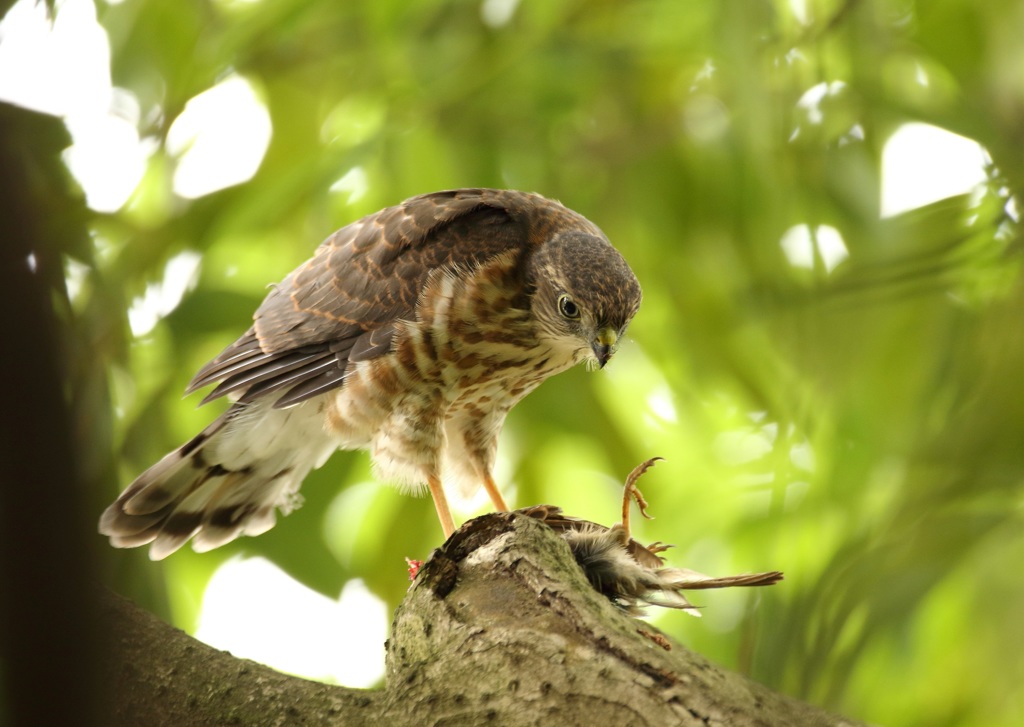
[[585, 294]]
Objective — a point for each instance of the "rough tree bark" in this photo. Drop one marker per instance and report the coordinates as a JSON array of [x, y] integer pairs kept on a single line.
[[500, 627]]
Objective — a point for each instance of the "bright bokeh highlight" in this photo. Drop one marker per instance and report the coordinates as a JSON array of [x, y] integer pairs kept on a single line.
[[256, 611], [220, 138], [922, 164], [62, 67]]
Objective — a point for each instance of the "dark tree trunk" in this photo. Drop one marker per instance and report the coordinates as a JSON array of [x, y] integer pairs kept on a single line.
[[500, 627], [47, 635]]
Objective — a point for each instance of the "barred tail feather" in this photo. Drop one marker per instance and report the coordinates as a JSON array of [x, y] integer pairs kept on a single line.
[[228, 481]]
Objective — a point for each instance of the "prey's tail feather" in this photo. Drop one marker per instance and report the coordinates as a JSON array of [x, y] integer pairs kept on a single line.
[[227, 481]]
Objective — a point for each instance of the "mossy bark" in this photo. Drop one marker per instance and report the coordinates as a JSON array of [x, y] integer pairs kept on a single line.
[[499, 627]]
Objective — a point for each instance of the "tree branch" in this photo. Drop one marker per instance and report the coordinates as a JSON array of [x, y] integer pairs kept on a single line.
[[500, 627]]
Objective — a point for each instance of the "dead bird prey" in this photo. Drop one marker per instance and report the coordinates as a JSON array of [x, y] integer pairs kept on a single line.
[[630, 574]]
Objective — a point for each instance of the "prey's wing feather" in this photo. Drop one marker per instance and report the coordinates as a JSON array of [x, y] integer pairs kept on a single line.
[[555, 519], [342, 305]]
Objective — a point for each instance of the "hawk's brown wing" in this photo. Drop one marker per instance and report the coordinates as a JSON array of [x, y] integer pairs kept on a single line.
[[343, 303]]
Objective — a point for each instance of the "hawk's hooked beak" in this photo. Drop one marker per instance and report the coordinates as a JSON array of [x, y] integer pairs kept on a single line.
[[604, 345]]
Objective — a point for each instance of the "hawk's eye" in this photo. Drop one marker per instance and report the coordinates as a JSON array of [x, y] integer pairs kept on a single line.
[[567, 308]]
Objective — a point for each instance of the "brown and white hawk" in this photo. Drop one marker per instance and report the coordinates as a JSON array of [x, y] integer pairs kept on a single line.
[[411, 333]]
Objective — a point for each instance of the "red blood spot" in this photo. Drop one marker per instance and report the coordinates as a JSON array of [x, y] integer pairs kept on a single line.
[[414, 567]]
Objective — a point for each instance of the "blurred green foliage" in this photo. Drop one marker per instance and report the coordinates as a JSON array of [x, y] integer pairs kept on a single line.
[[861, 429]]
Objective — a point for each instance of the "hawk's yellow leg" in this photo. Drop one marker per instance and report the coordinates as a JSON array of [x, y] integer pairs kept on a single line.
[[495, 494], [444, 513]]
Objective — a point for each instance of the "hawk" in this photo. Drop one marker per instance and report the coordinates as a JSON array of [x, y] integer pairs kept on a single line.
[[410, 333]]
